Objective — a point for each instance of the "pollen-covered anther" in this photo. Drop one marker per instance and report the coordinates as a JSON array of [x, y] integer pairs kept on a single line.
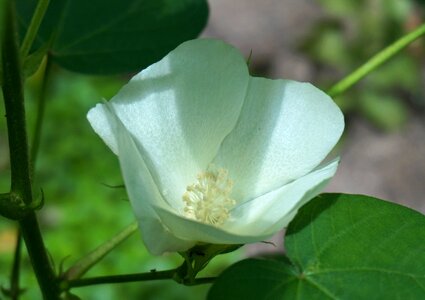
[[208, 200]]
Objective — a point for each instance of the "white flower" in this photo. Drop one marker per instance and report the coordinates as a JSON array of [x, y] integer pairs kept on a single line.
[[210, 154]]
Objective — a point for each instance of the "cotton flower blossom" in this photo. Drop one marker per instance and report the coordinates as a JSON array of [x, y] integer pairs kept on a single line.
[[210, 154]]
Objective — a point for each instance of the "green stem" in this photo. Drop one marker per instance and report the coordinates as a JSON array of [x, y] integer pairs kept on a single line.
[[41, 105], [19, 162], [40, 261], [203, 280], [15, 290], [154, 275], [15, 112], [376, 61], [35, 23], [2, 22], [83, 265]]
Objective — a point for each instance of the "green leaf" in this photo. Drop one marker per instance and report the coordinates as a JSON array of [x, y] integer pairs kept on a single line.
[[110, 37], [339, 247]]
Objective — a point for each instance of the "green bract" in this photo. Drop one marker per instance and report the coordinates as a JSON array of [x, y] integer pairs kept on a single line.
[[210, 154]]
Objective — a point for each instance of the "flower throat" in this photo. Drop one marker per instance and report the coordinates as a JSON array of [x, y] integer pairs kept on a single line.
[[208, 200]]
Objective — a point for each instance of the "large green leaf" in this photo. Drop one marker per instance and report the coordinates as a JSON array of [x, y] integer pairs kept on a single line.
[[339, 247], [114, 36]]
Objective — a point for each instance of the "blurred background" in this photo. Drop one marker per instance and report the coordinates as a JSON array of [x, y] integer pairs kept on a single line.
[[382, 151]]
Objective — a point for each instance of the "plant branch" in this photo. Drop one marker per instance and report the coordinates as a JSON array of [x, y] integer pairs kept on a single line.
[[32, 30], [19, 163], [39, 258], [153, 275], [376, 61], [202, 280], [196, 259], [84, 264], [2, 22], [15, 112]]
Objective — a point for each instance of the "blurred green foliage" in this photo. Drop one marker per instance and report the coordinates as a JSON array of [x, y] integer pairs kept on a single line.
[[350, 34]]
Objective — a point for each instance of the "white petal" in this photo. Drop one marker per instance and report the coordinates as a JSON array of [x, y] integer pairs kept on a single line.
[[159, 240], [184, 228], [179, 110], [273, 211], [142, 191], [285, 130]]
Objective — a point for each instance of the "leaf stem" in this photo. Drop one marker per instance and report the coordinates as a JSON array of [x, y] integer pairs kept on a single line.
[[376, 61], [41, 104], [19, 162], [35, 23], [84, 264]]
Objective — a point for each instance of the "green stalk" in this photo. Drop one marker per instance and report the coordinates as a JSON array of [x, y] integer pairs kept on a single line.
[[39, 258], [153, 275], [15, 112], [84, 264], [41, 106], [376, 61], [196, 259], [19, 162], [2, 22], [35, 23]]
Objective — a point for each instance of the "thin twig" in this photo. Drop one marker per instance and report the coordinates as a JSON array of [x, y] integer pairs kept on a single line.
[[41, 104], [376, 61], [87, 262]]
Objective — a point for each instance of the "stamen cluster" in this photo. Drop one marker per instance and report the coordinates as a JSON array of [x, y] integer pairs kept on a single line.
[[208, 200]]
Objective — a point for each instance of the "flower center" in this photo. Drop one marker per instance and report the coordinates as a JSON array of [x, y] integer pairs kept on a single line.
[[208, 200]]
